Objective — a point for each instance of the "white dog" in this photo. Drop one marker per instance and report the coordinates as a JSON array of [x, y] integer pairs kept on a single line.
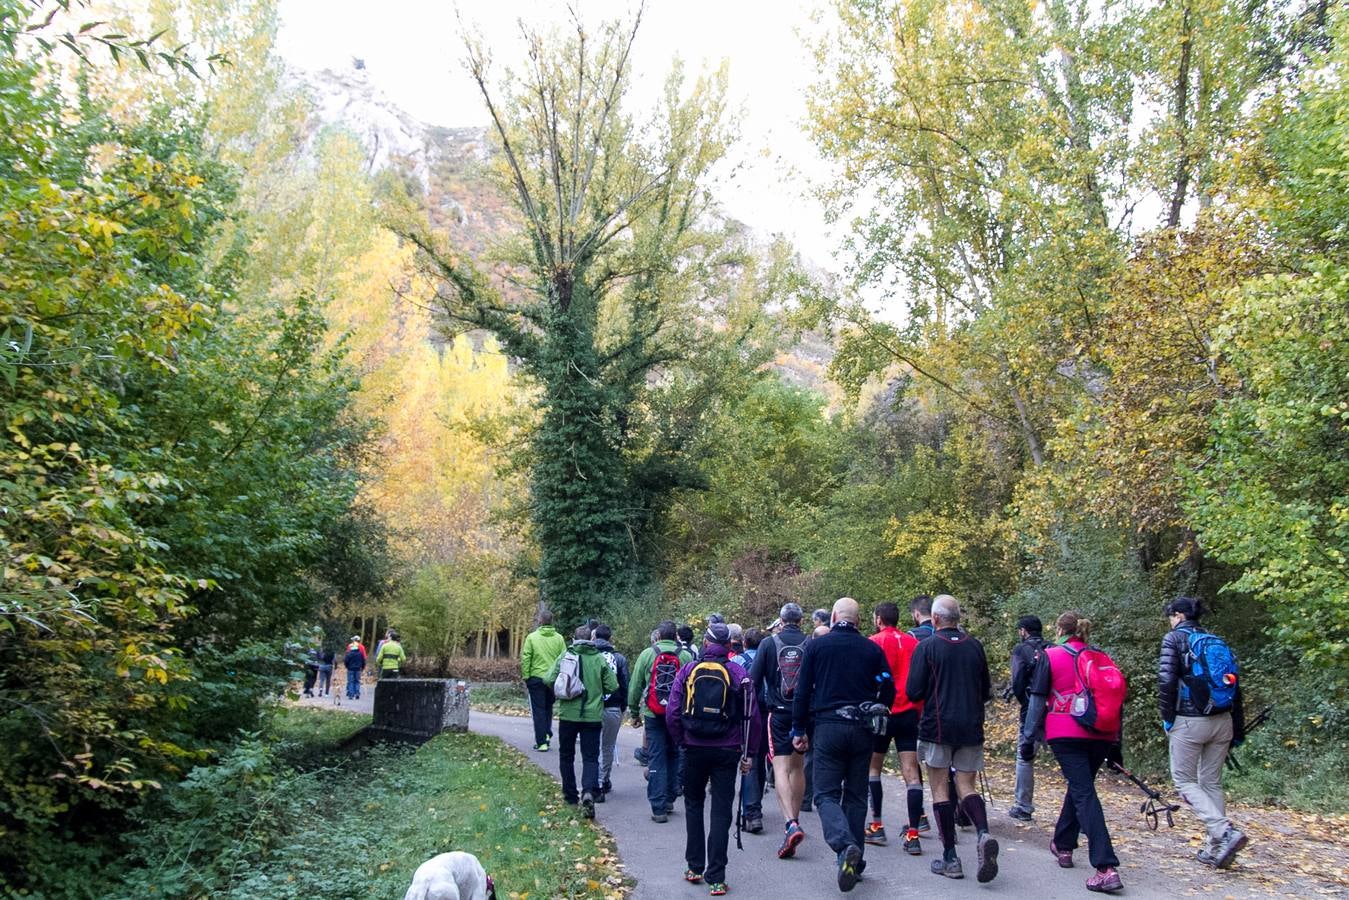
[[451, 876]]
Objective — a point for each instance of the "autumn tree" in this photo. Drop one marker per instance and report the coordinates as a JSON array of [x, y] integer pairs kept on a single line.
[[620, 273]]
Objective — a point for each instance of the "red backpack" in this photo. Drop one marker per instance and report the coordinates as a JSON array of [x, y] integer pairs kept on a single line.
[[663, 670], [1099, 706]]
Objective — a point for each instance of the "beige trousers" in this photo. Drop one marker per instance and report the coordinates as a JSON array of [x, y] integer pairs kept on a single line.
[[1199, 746]]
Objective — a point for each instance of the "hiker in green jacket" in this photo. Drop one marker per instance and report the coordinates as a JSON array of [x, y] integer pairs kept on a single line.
[[580, 716], [648, 689], [390, 657], [543, 646]]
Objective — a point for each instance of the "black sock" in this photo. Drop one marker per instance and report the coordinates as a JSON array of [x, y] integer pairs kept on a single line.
[[945, 813], [973, 805], [915, 805], [876, 793]]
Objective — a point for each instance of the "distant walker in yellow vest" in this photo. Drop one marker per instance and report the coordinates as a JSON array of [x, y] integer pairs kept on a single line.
[[389, 658]]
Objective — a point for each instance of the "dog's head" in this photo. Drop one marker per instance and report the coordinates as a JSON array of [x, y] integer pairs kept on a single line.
[[491, 889]]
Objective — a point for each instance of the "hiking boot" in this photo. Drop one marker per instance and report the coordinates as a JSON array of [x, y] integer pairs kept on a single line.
[[948, 866], [1019, 814], [1205, 856], [792, 836], [599, 797], [607, 786], [986, 852], [912, 845], [542, 747], [924, 826], [875, 834], [693, 877], [659, 817], [1225, 850], [849, 867], [717, 888], [1065, 857], [754, 825], [1105, 880], [588, 805]]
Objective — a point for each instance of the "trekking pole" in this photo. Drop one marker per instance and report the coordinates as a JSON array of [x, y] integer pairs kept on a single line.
[[744, 754], [1152, 807], [1232, 762]]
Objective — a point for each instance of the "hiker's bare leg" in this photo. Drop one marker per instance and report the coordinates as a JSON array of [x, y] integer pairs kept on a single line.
[[789, 781]]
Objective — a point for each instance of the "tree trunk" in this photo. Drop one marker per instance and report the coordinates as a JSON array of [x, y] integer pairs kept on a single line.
[[1183, 163]]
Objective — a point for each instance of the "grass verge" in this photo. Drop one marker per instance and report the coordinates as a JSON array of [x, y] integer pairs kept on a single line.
[[277, 823], [505, 699]]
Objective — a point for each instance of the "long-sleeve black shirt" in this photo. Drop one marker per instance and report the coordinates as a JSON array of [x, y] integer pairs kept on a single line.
[[842, 668], [949, 676]]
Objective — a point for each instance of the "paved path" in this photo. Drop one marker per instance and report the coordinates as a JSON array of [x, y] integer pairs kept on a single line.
[[653, 853]]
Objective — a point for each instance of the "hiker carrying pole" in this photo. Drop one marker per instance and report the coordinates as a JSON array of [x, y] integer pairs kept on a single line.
[[706, 716]]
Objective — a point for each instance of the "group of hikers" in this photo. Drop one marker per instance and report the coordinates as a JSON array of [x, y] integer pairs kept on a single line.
[[812, 715], [320, 661]]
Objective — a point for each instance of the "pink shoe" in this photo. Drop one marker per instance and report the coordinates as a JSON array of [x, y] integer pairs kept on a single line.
[[1065, 857], [1105, 880]]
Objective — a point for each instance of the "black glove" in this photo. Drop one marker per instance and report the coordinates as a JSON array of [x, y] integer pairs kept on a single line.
[[1026, 750], [1115, 754]]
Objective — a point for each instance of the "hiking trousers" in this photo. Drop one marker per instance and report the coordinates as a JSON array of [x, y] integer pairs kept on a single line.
[[609, 725], [705, 767], [663, 763], [589, 735], [1080, 760], [353, 684], [541, 708], [1199, 746], [842, 769]]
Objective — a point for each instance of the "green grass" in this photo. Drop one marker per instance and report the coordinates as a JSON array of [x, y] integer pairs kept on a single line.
[[357, 826]]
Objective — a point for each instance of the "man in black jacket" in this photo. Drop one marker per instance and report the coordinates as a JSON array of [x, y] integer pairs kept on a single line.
[[1024, 657], [1200, 733], [778, 687], [949, 676], [840, 672]]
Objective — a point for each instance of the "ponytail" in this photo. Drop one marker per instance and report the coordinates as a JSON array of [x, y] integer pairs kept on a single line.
[[1074, 624]]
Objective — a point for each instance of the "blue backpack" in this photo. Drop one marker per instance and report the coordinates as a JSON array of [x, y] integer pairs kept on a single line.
[[1210, 682]]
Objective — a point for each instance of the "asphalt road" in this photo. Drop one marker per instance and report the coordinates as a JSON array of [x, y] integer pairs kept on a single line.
[[653, 854]]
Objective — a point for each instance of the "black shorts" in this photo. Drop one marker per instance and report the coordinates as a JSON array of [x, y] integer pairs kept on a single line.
[[902, 728], [780, 733]]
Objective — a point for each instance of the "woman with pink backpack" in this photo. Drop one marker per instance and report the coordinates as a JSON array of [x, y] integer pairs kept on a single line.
[[1077, 692]]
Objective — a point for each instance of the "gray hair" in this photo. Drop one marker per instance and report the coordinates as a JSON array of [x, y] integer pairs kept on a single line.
[[946, 608]]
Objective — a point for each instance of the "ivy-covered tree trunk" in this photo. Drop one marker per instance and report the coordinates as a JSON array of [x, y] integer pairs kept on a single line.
[[620, 265], [578, 479]]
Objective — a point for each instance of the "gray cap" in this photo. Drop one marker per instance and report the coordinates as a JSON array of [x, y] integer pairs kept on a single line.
[[718, 633]]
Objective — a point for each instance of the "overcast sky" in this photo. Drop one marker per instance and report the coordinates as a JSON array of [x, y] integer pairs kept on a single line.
[[413, 48]]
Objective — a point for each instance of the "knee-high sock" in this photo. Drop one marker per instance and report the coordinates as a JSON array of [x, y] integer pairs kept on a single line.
[[915, 804], [975, 811], [945, 813], [876, 794]]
